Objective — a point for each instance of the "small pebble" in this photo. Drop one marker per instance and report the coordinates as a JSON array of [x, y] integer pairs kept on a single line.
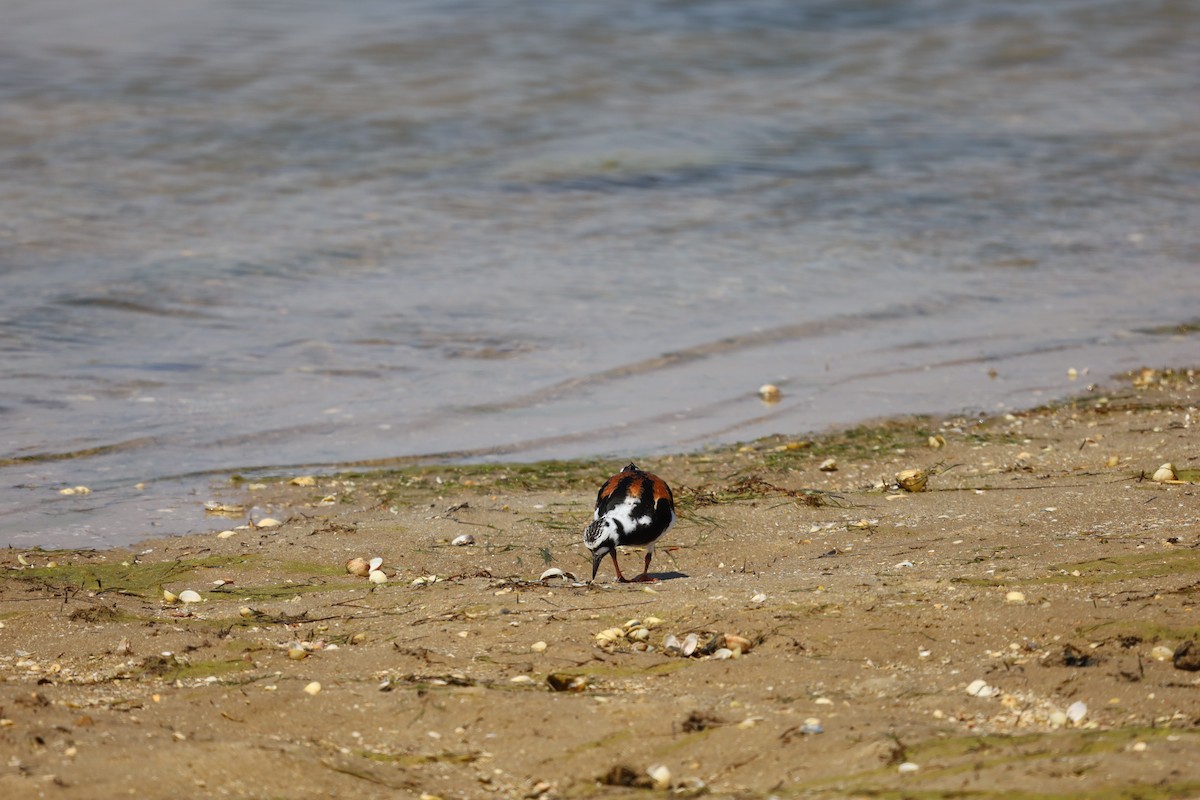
[[769, 393]]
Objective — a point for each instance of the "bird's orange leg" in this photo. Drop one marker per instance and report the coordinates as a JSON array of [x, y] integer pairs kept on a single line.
[[617, 567], [645, 576]]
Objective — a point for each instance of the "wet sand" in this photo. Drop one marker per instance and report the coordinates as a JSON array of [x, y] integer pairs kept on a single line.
[[1019, 628]]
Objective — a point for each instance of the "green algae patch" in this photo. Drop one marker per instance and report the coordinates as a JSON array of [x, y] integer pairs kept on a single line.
[[138, 579], [174, 668], [1156, 564]]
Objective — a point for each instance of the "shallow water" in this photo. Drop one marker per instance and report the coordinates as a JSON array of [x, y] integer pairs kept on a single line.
[[242, 235]]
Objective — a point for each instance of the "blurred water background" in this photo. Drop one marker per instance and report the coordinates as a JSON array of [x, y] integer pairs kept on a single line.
[[241, 234]]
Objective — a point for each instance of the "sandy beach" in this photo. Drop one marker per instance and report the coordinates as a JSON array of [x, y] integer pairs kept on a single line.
[[1024, 626]]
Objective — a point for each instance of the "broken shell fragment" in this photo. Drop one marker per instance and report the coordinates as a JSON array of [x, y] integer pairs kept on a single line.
[[610, 635], [555, 572], [358, 566], [562, 682], [912, 480], [737, 644], [463, 541], [1164, 473]]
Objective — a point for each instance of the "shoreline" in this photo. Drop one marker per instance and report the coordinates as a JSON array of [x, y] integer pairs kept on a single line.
[[1020, 626]]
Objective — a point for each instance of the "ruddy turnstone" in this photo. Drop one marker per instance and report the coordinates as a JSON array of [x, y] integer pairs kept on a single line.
[[633, 508]]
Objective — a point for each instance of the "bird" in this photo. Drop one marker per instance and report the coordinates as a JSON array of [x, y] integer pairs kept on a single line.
[[633, 508]]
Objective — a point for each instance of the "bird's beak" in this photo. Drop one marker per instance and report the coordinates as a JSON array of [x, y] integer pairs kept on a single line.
[[596, 559]]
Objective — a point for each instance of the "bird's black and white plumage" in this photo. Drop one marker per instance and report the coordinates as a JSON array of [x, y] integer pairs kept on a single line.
[[633, 508]]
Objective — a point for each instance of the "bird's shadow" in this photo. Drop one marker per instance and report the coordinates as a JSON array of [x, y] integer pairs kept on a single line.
[[669, 576]]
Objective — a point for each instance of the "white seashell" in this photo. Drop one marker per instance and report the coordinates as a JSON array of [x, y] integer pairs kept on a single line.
[[171, 597], [1058, 719], [313, 688], [1015, 598], [639, 635], [538, 647], [759, 598], [374, 564], [651, 622], [1164, 473], [937, 441], [722, 653], [769, 393], [660, 775], [630, 624], [245, 611], [520, 679], [828, 465], [1077, 711], [269, 522], [690, 643], [358, 566], [1162, 653], [672, 644], [907, 768], [188, 596], [463, 541], [377, 576], [977, 687], [226, 534]]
